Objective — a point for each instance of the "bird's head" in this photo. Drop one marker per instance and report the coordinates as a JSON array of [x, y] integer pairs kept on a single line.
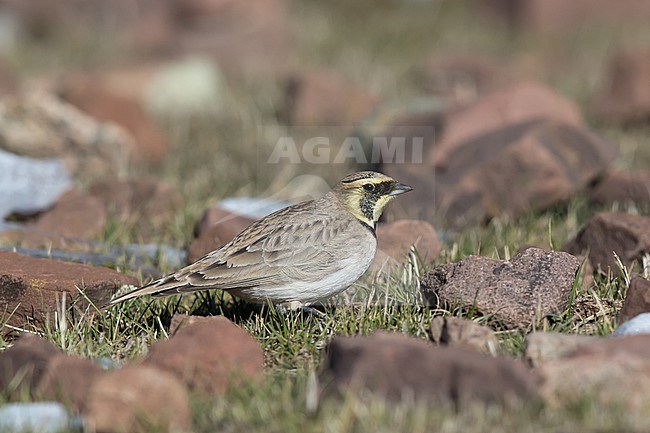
[[365, 194]]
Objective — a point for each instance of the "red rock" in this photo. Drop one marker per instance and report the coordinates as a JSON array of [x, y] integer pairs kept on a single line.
[[216, 228], [394, 367], [97, 96], [326, 98], [621, 187], [607, 233], [68, 379], [502, 108], [637, 299], [32, 289], [24, 364], [209, 355], [456, 331], [138, 399], [626, 94], [518, 292]]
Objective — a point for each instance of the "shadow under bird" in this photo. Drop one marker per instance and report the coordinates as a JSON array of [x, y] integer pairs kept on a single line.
[[296, 256]]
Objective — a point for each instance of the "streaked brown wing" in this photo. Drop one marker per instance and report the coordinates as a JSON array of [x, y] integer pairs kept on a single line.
[[289, 252]]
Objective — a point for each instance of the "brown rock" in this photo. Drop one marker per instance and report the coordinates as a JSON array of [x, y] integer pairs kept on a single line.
[[250, 37], [626, 97], [461, 79], [99, 97], [607, 233], [75, 216], [154, 29], [182, 320], [40, 125], [23, 365], [524, 167], [637, 299], [68, 379], [546, 347], [8, 80], [455, 331], [145, 205], [635, 345], [326, 98], [209, 355], [148, 204], [510, 152], [74, 220], [397, 367], [138, 399], [395, 239], [215, 229], [518, 291], [414, 125], [562, 16], [512, 105], [624, 188], [31, 288], [609, 371], [43, 19]]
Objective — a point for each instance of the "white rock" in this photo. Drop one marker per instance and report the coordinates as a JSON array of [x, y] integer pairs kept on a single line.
[[637, 325]]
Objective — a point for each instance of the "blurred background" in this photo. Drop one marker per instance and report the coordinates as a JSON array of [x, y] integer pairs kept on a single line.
[[180, 102]]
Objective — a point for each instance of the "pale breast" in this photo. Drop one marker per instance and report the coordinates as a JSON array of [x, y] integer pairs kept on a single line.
[[345, 258]]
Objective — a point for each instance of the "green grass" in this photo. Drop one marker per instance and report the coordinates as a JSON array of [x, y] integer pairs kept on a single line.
[[383, 45]]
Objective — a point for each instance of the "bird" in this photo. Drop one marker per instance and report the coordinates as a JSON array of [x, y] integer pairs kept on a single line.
[[297, 256]]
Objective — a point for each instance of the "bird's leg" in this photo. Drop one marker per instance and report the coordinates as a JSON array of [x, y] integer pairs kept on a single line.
[[297, 306], [314, 312]]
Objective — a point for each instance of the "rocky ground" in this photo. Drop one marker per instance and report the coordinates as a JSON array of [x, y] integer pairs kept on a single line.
[[510, 289]]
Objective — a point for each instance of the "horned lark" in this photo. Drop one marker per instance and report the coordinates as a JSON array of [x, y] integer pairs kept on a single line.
[[296, 256]]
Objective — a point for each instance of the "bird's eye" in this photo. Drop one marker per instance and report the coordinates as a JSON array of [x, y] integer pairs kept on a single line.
[[369, 187]]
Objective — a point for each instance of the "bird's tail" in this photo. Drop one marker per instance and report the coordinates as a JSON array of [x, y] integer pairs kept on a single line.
[[163, 287]]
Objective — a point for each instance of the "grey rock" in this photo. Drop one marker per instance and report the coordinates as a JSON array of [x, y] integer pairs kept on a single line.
[[29, 185], [637, 325]]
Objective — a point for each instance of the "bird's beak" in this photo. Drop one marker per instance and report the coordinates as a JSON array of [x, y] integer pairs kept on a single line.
[[400, 188]]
